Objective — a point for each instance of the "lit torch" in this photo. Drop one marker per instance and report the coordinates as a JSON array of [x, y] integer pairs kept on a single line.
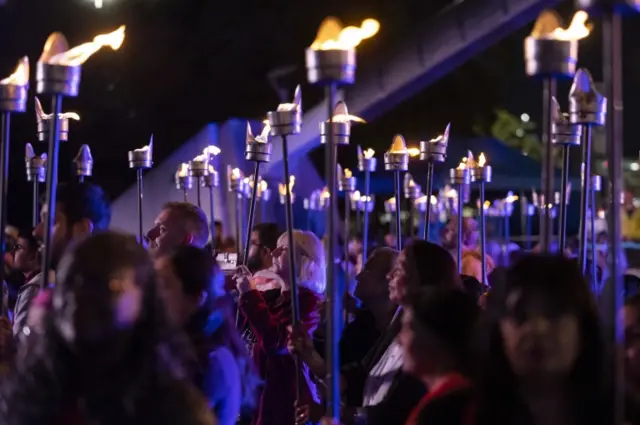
[[141, 159], [58, 74], [461, 177], [366, 163], [587, 108], [412, 191], [331, 61], [551, 52], [211, 181], [83, 163], [481, 173], [184, 181], [235, 183], [432, 151], [36, 168], [396, 159], [258, 150], [283, 189], [347, 185]]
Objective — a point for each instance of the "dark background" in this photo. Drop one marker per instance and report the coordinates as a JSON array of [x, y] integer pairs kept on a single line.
[[185, 63]]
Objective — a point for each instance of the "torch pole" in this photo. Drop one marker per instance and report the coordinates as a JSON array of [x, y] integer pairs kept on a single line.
[[428, 191], [593, 247], [483, 236], [398, 186], [460, 226], [612, 73], [365, 228], [4, 186], [185, 193], [238, 205], [140, 195], [358, 218], [564, 185], [198, 192], [252, 211], [584, 197], [52, 185], [347, 223], [213, 219], [35, 207], [548, 174]]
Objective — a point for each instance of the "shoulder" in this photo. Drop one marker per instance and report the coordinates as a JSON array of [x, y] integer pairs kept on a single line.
[[453, 407]]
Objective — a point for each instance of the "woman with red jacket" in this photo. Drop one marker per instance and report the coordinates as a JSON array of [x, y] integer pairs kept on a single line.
[[270, 322]]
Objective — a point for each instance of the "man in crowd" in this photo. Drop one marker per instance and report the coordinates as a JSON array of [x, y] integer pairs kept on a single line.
[[81, 209], [178, 224], [264, 239]]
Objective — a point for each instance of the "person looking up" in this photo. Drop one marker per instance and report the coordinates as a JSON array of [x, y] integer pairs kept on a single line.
[[178, 224]]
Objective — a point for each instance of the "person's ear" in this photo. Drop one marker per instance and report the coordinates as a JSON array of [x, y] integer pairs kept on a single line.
[[188, 239], [82, 228]]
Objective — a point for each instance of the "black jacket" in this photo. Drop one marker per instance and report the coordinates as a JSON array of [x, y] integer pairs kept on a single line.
[[26, 295]]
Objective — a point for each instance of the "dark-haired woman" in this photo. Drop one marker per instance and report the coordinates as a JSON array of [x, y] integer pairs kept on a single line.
[[388, 393], [194, 298], [545, 354], [436, 337], [104, 353]]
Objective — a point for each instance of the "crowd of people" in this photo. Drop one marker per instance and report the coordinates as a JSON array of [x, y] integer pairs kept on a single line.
[[153, 332]]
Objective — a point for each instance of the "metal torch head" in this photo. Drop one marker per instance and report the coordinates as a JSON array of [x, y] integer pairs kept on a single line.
[[586, 105], [339, 126], [410, 188], [367, 203], [212, 178], [390, 206], [35, 166], [346, 180], [563, 133], [286, 120], [435, 150], [84, 162], [182, 178], [45, 123], [53, 77], [258, 148], [397, 157], [460, 176], [199, 166], [235, 180], [331, 66], [142, 158], [366, 161], [14, 89]]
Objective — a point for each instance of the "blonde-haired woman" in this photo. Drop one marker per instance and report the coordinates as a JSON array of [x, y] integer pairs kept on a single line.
[[270, 323]]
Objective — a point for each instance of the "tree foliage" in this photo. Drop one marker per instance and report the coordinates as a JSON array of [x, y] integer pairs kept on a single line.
[[516, 133]]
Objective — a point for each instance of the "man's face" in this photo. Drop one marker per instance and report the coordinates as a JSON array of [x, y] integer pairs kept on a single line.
[[167, 234], [61, 234], [25, 256], [449, 235], [259, 255]]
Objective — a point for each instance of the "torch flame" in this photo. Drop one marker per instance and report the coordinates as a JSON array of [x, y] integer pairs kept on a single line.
[[355, 196], [332, 35], [211, 151], [148, 147], [183, 170], [295, 105], [347, 173], [341, 114], [413, 151], [368, 154], [56, 51], [211, 169], [235, 174], [325, 193], [282, 188], [482, 160], [549, 26], [201, 158], [20, 76], [398, 145], [511, 198]]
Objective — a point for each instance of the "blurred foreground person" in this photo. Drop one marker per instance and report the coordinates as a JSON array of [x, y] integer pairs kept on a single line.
[[437, 335], [106, 355], [192, 290], [270, 323], [545, 356], [631, 319], [81, 209]]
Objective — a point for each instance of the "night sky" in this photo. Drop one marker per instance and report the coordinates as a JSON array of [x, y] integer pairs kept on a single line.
[[185, 63]]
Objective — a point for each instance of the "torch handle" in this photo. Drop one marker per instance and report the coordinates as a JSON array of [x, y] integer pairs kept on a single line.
[[52, 184], [563, 207], [428, 189], [35, 203], [459, 217], [140, 197], [252, 211], [4, 187], [548, 169], [365, 222], [483, 237], [398, 185], [584, 197], [238, 205], [198, 194], [592, 243], [212, 218]]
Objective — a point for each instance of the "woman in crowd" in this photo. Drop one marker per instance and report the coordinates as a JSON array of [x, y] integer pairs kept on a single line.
[[106, 354], [436, 337], [388, 393], [193, 294], [544, 363], [270, 322]]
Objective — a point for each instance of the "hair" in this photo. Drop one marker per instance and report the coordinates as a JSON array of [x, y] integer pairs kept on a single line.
[[309, 260], [199, 274], [27, 234], [47, 373], [429, 265], [195, 220], [560, 280], [268, 234], [83, 201], [451, 315]]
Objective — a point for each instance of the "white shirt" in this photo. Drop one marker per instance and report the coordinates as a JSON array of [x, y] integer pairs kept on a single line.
[[381, 376]]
